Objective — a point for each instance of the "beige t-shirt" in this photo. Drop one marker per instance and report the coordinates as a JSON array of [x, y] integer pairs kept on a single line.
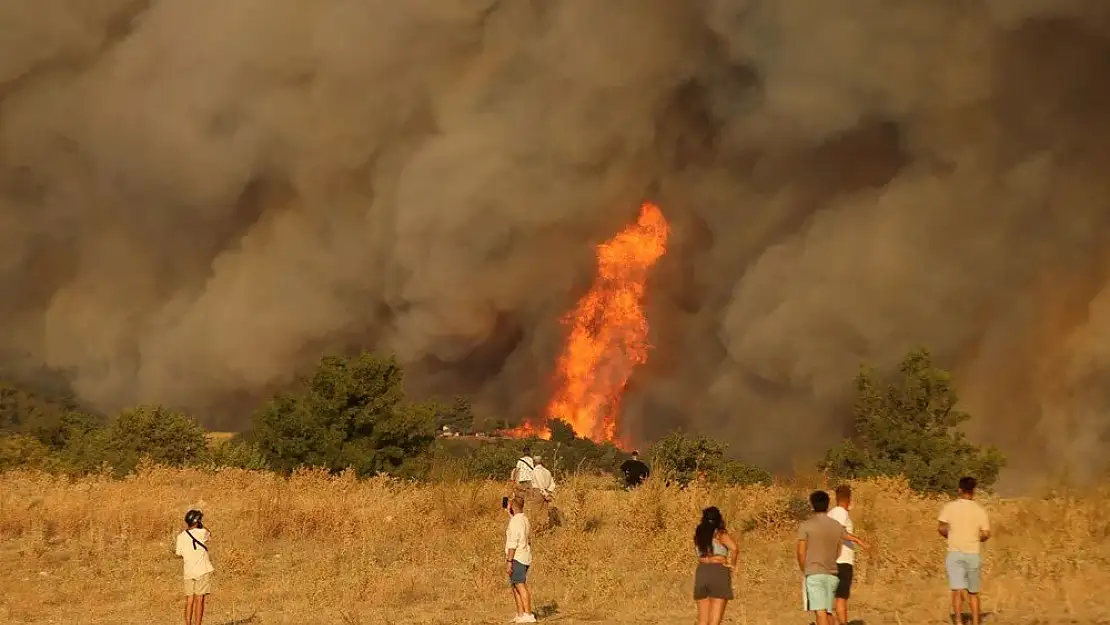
[[197, 562], [518, 536], [965, 519]]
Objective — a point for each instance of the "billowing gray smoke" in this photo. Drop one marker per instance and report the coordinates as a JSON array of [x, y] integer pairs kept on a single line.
[[198, 197]]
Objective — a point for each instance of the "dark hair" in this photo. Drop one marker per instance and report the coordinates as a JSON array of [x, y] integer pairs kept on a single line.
[[967, 484], [635, 454], [711, 523], [843, 492], [527, 450], [819, 499], [193, 517]]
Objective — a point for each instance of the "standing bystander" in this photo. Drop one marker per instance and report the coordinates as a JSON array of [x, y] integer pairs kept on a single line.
[[518, 557], [964, 523], [192, 548]]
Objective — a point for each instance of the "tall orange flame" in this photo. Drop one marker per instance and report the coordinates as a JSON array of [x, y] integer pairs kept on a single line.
[[608, 334]]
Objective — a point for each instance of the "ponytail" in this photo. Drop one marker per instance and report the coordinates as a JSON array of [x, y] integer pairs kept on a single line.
[[711, 523]]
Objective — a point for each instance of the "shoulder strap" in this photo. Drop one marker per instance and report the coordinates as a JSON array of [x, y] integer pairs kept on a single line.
[[530, 466], [195, 541]]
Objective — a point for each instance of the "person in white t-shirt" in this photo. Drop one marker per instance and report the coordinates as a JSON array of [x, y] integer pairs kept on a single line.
[[518, 557], [192, 548], [846, 560], [542, 480], [523, 471]]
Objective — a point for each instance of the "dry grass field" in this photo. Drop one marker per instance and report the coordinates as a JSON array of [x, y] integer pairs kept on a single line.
[[320, 549]]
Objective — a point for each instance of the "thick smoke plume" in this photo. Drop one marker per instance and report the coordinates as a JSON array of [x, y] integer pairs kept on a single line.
[[198, 197]]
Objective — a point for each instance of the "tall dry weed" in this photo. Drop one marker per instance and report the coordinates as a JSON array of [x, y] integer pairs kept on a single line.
[[322, 548]]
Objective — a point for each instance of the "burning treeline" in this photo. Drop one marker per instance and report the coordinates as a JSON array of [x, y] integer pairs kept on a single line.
[[199, 198], [608, 335]]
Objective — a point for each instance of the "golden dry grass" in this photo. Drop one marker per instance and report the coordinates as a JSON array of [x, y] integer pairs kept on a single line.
[[320, 549]]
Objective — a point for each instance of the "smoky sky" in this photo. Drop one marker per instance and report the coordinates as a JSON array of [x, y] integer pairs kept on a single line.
[[198, 198]]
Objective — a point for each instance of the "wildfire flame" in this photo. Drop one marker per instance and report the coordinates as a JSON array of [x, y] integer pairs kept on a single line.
[[608, 334]]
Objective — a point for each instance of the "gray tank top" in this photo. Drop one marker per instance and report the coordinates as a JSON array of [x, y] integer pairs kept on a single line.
[[719, 549]]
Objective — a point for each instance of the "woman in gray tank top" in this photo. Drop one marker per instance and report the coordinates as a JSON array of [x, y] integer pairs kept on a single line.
[[717, 554]]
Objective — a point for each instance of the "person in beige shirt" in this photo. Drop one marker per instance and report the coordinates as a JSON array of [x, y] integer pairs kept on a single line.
[[964, 523]]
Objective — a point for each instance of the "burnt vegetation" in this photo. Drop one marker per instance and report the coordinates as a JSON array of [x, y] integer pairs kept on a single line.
[[352, 412]]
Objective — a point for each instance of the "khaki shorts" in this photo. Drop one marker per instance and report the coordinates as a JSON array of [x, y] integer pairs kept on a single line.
[[199, 586]]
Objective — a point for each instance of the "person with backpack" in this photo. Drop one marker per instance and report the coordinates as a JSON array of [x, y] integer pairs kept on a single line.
[[523, 472], [192, 548]]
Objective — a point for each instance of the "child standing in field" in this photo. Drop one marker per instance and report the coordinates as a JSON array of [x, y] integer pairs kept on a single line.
[[192, 548]]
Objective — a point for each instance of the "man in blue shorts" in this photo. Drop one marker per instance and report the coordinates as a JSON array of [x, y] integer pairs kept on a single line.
[[819, 539], [518, 557], [963, 522]]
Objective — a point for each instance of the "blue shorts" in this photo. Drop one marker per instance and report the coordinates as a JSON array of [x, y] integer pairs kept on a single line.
[[963, 571], [819, 592], [519, 574]]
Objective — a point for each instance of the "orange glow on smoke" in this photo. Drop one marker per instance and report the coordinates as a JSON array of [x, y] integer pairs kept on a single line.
[[608, 334]]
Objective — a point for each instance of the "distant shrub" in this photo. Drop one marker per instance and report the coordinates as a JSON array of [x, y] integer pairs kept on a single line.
[[21, 451], [738, 473], [234, 454], [682, 458], [164, 436]]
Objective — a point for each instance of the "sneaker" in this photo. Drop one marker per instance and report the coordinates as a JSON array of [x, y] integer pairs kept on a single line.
[[516, 619], [528, 618]]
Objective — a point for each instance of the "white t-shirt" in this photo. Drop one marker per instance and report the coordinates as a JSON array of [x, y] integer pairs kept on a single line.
[[517, 537], [847, 549], [541, 479], [524, 468], [197, 563]]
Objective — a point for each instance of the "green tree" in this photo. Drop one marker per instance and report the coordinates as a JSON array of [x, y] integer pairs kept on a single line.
[[910, 429], [351, 413], [165, 436], [19, 451], [459, 416]]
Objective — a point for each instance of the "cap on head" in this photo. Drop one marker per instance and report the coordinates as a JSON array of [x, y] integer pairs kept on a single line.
[[193, 517]]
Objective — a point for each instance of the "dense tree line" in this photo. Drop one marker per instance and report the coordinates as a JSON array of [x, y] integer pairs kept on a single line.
[[353, 413]]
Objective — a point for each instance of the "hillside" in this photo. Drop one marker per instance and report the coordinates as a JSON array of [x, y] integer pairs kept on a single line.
[[319, 549]]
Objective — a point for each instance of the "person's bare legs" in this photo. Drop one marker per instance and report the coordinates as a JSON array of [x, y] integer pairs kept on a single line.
[[189, 609], [822, 617], [841, 611], [704, 611], [198, 609], [717, 611], [958, 607], [517, 600], [973, 599], [525, 598]]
